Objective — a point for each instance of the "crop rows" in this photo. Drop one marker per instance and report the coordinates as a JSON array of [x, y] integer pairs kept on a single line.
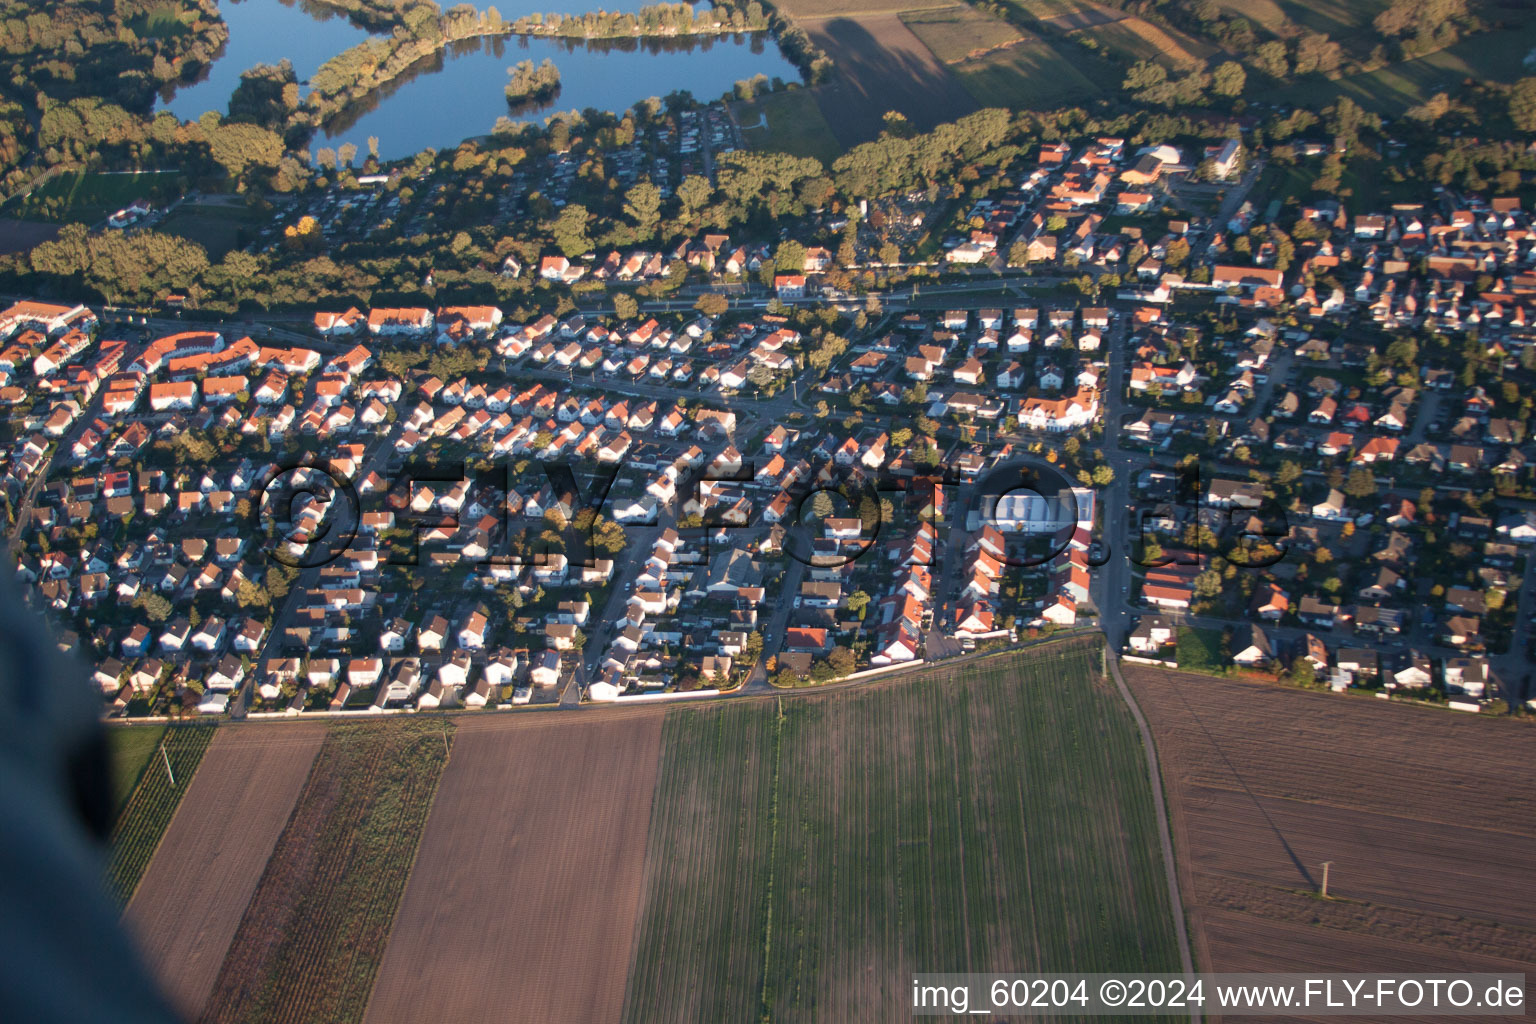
[[151, 807], [995, 817], [706, 873], [314, 933]]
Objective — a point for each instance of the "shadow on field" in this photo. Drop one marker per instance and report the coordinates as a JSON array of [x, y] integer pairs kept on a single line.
[[882, 66]]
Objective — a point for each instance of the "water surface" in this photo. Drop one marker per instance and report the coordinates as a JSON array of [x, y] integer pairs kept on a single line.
[[457, 93]]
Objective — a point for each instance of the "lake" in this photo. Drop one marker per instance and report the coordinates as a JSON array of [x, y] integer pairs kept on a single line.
[[458, 93], [264, 32]]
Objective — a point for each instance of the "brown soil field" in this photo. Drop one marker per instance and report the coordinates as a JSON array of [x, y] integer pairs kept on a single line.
[[1427, 816], [315, 930], [189, 904], [882, 66], [523, 902]]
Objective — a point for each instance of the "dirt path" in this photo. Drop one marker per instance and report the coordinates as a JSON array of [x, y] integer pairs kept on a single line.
[[190, 902]]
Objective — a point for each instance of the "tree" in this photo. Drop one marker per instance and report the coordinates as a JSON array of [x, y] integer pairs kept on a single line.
[[1522, 105], [842, 660], [1271, 59], [790, 257], [821, 504], [712, 304], [1145, 74], [570, 230], [642, 204], [693, 194], [1361, 483], [1208, 583], [156, 607], [1229, 79], [1316, 52], [858, 601], [625, 307], [250, 595]]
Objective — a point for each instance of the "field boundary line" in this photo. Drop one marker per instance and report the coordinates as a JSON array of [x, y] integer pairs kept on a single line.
[[1164, 836], [766, 992]]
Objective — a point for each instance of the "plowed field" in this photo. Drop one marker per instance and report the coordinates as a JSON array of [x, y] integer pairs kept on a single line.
[[1428, 818], [189, 904], [523, 901]]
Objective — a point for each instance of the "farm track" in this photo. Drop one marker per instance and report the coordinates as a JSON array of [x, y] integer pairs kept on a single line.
[[190, 903], [1430, 842]]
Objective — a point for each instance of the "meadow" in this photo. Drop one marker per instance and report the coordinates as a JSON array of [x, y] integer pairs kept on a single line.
[[1490, 56], [1133, 39], [90, 196], [1034, 75], [955, 33], [788, 121]]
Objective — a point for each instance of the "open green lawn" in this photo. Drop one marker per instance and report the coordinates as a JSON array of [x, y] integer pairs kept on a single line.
[[953, 33], [144, 818], [1199, 650], [806, 856], [216, 228], [131, 747], [161, 22], [788, 121], [1033, 76], [1495, 56], [90, 196]]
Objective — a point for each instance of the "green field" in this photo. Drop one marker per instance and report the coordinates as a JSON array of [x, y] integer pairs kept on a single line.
[[953, 33], [314, 933], [1490, 56], [788, 121], [131, 749], [1340, 19], [1073, 13], [89, 196], [1132, 39], [806, 856], [1033, 76], [149, 810]]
